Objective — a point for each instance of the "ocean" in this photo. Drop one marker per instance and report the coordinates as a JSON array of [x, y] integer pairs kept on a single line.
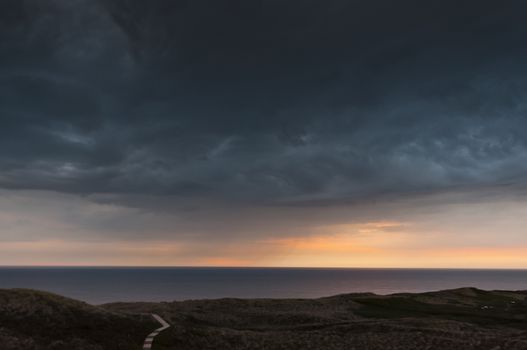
[[98, 285]]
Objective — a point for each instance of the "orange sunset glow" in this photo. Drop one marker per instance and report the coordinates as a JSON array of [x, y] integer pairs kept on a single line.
[[418, 239]]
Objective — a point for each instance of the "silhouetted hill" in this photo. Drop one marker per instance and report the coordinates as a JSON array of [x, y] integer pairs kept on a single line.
[[38, 320], [464, 319]]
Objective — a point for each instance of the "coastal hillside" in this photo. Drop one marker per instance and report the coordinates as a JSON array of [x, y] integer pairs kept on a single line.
[[34, 320], [464, 319]]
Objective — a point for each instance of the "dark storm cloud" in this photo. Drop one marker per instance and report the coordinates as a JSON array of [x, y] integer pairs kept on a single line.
[[261, 100]]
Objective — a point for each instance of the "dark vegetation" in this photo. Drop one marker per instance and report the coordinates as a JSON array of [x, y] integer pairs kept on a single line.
[[465, 318], [467, 304], [44, 321]]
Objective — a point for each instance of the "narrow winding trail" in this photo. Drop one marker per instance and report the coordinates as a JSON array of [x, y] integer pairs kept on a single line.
[[150, 338]]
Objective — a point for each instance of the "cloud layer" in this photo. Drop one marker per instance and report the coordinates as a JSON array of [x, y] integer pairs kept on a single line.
[[263, 132], [261, 101]]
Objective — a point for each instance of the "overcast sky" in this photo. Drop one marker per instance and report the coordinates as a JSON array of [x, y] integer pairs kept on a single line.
[[263, 132]]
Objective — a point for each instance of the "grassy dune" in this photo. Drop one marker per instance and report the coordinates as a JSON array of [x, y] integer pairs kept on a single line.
[[465, 318], [38, 320]]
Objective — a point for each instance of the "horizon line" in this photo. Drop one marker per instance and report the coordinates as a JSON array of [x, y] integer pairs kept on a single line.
[[261, 267]]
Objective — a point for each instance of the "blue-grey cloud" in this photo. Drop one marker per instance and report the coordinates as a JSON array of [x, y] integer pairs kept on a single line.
[[261, 101]]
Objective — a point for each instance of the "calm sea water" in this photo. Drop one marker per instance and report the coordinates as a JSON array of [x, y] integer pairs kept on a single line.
[[103, 285]]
